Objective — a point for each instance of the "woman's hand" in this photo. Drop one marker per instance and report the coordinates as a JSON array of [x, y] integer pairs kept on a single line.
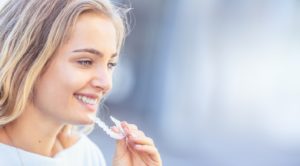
[[135, 149]]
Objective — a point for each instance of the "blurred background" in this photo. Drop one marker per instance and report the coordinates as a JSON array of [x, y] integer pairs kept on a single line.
[[213, 82]]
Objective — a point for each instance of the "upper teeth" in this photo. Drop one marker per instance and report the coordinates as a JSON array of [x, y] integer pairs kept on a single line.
[[86, 100]]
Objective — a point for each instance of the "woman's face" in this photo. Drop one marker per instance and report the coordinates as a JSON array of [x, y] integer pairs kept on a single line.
[[80, 73]]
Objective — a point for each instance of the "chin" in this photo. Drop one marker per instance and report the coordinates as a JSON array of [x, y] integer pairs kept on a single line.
[[83, 121]]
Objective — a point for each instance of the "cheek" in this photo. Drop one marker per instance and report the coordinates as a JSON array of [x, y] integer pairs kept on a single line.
[[65, 84], [55, 89], [50, 93]]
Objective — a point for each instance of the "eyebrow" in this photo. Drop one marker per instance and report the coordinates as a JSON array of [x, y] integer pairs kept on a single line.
[[93, 51]]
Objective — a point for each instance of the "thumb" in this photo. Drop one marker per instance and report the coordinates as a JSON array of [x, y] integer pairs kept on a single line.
[[121, 145]]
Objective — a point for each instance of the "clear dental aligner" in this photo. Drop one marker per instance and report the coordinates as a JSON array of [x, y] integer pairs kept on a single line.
[[107, 130]]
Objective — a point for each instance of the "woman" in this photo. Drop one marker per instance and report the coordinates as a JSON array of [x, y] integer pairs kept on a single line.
[[56, 64]]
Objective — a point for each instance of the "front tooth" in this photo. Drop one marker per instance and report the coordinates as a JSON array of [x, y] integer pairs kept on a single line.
[[84, 99], [92, 101], [87, 100]]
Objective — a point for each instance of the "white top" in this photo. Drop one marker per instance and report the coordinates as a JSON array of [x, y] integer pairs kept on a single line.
[[83, 153]]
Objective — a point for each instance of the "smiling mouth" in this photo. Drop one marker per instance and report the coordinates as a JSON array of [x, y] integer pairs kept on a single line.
[[89, 102]]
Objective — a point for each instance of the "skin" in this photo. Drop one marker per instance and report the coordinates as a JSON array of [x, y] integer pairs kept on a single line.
[[83, 66]]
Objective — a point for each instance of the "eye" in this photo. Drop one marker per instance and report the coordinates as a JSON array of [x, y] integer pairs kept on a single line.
[[85, 62], [111, 65]]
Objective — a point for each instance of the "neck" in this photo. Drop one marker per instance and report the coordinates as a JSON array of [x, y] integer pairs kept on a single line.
[[33, 133]]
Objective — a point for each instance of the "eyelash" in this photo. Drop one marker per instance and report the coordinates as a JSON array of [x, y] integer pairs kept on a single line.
[[86, 63], [111, 65]]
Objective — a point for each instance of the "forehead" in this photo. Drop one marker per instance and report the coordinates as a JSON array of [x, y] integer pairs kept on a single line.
[[93, 30]]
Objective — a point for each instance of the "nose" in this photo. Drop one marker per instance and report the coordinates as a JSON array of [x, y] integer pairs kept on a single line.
[[102, 81]]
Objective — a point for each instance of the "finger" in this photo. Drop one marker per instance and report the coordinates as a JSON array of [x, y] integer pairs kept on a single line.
[[121, 147], [151, 150], [136, 134], [115, 129], [133, 131], [118, 131], [130, 126], [121, 142], [141, 140]]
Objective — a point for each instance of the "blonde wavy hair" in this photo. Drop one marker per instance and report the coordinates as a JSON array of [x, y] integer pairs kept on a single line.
[[30, 33]]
